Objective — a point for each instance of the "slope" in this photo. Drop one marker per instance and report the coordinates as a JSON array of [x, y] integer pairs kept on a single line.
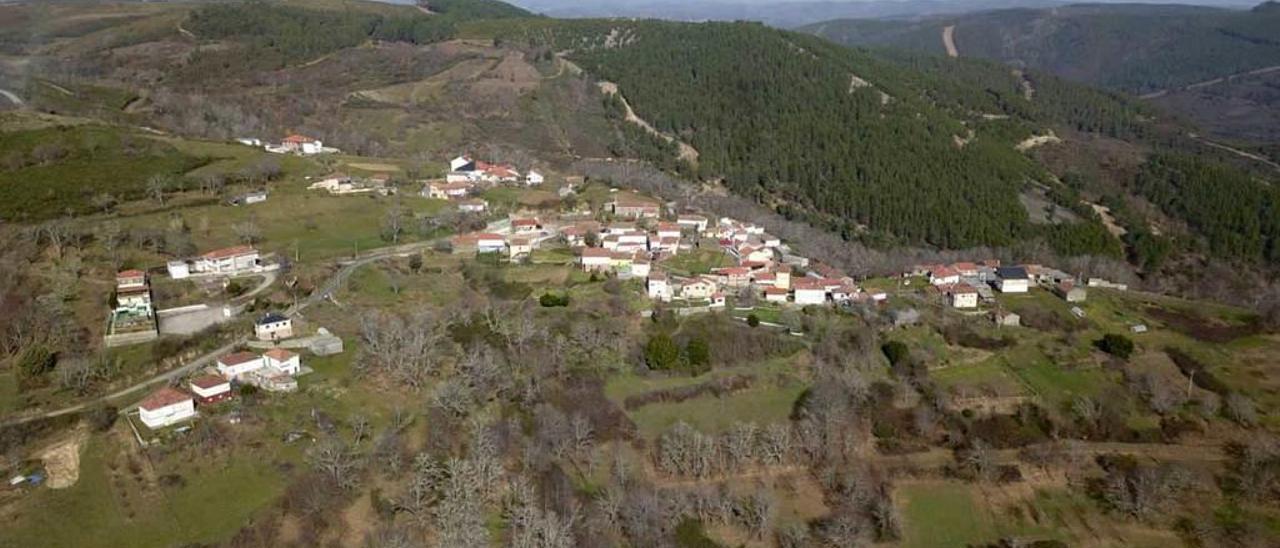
[[1135, 48]]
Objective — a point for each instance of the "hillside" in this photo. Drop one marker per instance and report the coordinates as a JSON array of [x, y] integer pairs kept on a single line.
[[886, 148], [1135, 48], [1175, 55]]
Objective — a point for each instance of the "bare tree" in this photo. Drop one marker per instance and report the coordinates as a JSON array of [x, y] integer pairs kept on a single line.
[[333, 458], [157, 185], [103, 201], [248, 230]]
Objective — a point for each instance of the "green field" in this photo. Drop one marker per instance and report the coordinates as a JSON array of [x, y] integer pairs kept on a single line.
[[946, 513], [218, 495]]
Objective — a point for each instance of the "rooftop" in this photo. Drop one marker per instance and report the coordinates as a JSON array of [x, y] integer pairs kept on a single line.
[[227, 252], [206, 382], [237, 358], [163, 397], [272, 317], [279, 354]]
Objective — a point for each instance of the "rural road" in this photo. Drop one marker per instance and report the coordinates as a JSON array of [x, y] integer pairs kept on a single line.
[[1214, 81], [11, 96], [333, 284]]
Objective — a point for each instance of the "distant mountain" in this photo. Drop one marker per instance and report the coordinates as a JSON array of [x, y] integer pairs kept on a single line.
[[1138, 48], [778, 14]]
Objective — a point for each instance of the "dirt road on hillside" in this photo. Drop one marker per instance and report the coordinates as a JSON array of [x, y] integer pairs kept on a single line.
[[949, 40]]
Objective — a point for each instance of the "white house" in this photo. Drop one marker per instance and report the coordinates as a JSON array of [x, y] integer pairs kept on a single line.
[[179, 269], [518, 247], [658, 287], [273, 327], [668, 230], [696, 222], [490, 243], [282, 360], [229, 260], [775, 294], [943, 275], [447, 190], [237, 364], [1012, 279], [640, 267], [526, 226], [809, 291], [210, 389], [473, 206], [166, 406], [962, 296], [697, 290], [595, 259], [301, 144], [534, 178]]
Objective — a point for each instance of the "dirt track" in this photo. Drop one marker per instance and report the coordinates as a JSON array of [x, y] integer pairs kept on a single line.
[[949, 40]]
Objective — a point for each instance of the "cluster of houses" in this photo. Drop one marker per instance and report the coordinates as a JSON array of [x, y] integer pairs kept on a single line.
[[274, 370], [965, 284], [230, 261], [133, 318], [301, 145], [340, 184], [464, 169]]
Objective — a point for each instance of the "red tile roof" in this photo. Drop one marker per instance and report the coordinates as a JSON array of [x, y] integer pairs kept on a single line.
[[163, 397], [230, 252], [131, 274], [237, 358], [279, 354], [596, 252], [943, 272], [775, 291], [295, 138], [208, 381]]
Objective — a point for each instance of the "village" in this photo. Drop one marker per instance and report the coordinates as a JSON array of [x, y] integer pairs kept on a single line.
[[683, 261]]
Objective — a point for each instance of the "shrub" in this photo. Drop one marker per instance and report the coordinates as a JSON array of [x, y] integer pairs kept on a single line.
[[1117, 345], [35, 361], [753, 320], [661, 353], [549, 300], [697, 356], [896, 351], [234, 288], [101, 418]]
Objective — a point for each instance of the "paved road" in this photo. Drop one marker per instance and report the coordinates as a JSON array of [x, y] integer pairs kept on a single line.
[[333, 284]]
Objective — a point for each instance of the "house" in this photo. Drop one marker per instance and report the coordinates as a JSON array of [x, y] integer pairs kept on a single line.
[[519, 246], [596, 259], [282, 361], [179, 269], [462, 163], [809, 291], [496, 173], [525, 226], [640, 266], [770, 241], [1070, 292], [533, 178], [658, 287], [237, 364], [1012, 279], [961, 296], [697, 290], [166, 406], [734, 276], [459, 177], [210, 389], [631, 242], [782, 278], [717, 300], [965, 269], [668, 230], [230, 260], [775, 295], [131, 279], [446, 191], [697, 223], [748, 253], [940, 275], [1106, 284], [476, 205], [273, 327], [301, 144], [633, 207], [490, 243]]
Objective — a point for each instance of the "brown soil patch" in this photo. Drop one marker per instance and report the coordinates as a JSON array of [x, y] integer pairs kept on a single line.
[[62, 460], [1201, 328]]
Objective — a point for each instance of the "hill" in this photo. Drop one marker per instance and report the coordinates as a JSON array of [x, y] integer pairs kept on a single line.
[[887, 148], [1205, 63], [1135, 48]]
